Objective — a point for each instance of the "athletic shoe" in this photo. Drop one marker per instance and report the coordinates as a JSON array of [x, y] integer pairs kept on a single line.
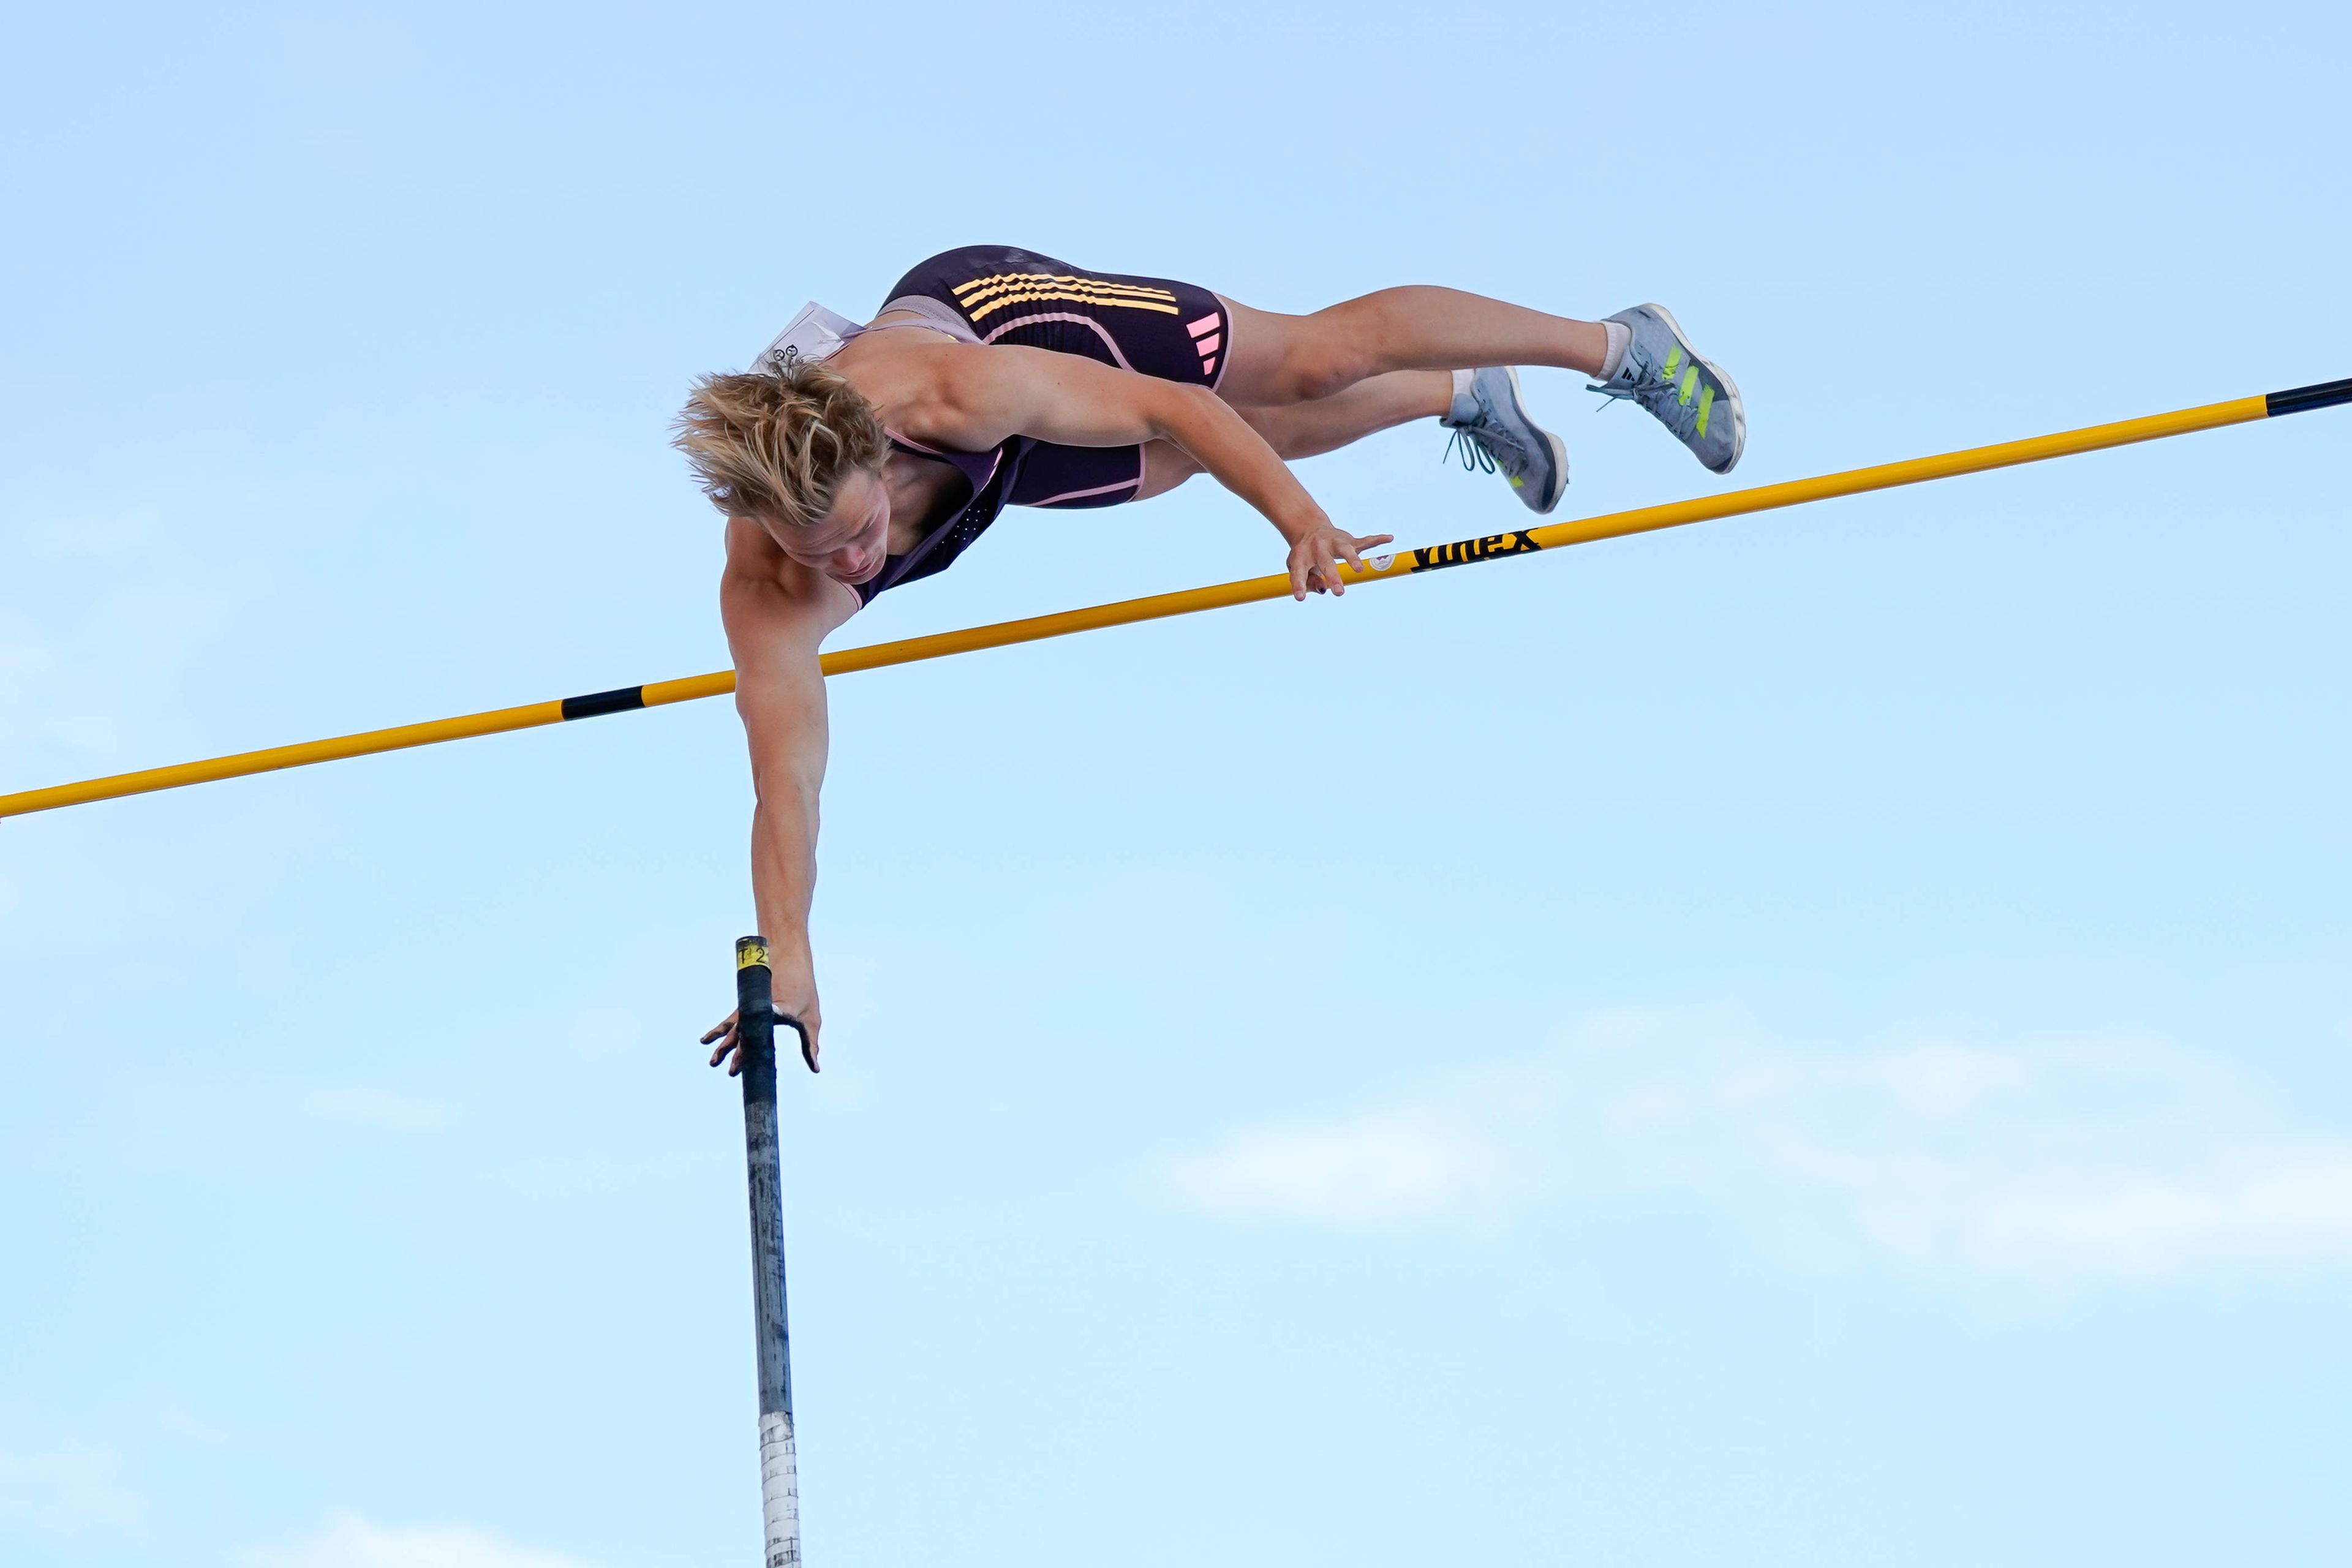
[[1495, 433], [1689, 394]]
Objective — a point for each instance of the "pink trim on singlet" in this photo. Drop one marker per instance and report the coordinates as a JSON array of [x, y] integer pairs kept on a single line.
[[1228, 357], [934, 315], [914, 326], [1134, 484], [946, 457], [1100, 331], [905, 440]]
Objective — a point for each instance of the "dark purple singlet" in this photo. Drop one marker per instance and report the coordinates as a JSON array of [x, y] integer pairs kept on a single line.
[[1158, 327]]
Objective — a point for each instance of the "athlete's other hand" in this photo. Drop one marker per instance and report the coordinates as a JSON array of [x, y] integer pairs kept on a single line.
[[1316, 555], [795, 994]]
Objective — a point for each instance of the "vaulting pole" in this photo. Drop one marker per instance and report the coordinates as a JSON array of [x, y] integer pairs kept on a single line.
[[1404, 563], [755, 1025]]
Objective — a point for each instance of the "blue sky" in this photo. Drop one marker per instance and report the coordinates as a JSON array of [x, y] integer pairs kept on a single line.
[[1819, 1038]]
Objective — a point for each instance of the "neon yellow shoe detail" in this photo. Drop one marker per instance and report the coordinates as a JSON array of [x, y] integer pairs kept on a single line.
[[1688, 393], [1493, 431]]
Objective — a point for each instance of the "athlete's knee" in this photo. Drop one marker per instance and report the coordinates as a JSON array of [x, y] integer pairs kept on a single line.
[[1339, 346], [1323, 363]]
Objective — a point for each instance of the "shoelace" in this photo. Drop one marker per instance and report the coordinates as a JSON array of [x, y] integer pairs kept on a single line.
[[1479, 446], [1680, 417], [1476, 453]]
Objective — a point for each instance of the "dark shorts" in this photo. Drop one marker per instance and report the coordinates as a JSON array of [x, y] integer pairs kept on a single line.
[[1174, 331]]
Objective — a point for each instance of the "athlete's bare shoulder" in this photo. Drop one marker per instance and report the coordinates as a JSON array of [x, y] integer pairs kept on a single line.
[[909, 375], [966, 397], [766, 597]]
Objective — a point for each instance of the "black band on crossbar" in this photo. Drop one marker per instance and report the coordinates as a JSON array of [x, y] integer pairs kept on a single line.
[[601, 702], [2296, 399]]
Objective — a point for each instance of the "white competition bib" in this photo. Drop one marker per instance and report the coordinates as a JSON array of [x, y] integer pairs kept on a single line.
[[817, 334]]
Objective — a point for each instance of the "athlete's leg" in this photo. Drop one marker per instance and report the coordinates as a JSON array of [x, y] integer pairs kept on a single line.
[[1274, 359], [1327, 424], [1307, 429]]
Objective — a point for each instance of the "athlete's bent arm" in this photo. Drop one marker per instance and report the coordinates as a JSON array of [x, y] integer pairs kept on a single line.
[[776, 613], [998, 392]]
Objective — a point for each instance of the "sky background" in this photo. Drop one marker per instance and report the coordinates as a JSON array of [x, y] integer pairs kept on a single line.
[[1820, 1039]]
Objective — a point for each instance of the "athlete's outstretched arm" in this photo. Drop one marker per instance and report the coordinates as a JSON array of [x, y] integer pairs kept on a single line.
[[991, 394], [776, 613]]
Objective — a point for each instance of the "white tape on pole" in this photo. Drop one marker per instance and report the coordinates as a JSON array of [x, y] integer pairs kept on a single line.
[[780, 1490]]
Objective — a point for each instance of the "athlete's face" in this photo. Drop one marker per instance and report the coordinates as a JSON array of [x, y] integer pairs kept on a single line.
[[851, 543]]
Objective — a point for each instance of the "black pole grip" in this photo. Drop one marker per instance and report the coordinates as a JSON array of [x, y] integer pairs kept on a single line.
[[755, 1005], [755, 1002], [755, 1027], [755, 1039]]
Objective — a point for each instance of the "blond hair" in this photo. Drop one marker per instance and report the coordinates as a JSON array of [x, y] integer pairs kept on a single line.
[[778, 444]]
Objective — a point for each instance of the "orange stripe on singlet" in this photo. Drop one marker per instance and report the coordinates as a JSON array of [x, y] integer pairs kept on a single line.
[[979, 289], [1068, 296]]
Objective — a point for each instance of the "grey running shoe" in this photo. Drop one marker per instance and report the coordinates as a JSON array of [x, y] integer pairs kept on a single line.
[[1495, 433], [1690, 395]]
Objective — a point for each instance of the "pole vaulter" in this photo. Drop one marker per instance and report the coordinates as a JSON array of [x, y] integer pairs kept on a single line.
[[1378, 568]]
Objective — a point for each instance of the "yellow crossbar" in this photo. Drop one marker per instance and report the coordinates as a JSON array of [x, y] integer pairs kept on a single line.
[[1404, 563]]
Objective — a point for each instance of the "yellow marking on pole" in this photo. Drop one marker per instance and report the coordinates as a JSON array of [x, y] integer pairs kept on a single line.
[[689, 689], [1003, 634], [529, 716]]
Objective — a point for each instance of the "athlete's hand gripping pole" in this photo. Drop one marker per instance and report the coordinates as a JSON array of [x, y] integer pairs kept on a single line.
[[780, 1490]]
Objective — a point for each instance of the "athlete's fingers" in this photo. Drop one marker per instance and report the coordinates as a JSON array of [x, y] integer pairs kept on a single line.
[[724, 1027], [1297, 578]]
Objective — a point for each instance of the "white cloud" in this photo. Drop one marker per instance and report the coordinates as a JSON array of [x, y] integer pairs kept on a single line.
[[386, 1110], [347, 1541], [1473, 1157], [75, 1492], [2056, 1163]]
